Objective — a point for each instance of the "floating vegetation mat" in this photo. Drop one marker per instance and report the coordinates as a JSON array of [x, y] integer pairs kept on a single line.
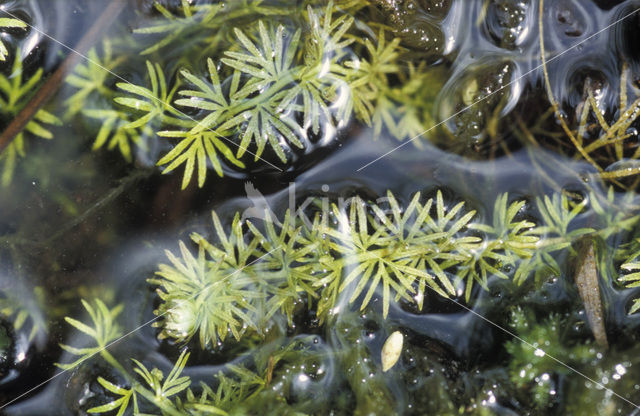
[[319, 207]]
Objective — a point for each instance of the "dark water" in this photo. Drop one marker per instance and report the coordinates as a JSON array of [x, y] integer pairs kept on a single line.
[[453, 362]]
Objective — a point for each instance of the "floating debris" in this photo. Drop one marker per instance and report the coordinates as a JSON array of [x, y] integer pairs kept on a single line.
[[391, 350], [586, 278]]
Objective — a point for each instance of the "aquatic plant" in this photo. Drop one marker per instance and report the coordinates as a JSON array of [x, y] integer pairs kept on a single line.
[[15, 92], [248, 276], [222, 86], [7, 22], [91, 76], [202, 27], [241, 280], [269, 67], [103, 331], [274, 88], [538, 372], [210, 293], [156, 388], [91, 79], [628, 256], [612, 137], [175, 394], [18, 307], [632, 279]]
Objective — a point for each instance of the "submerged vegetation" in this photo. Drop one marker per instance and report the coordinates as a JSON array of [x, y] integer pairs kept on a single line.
[[239, 280], [5, 23], [15, 92], [613, 140], [285, 89], [503, 300], [246, 280]]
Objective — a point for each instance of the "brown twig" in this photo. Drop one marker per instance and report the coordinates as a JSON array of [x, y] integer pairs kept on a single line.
[[55, 81]]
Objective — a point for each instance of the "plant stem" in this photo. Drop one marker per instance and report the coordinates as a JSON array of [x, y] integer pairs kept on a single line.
[[108, 198], [106, 355], [11, 240], [55, 81]]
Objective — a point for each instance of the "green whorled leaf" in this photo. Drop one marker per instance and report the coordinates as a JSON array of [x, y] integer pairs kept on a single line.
[[237, 283], [557, 213], [118, 129], [103, 329], [207, 97], [615, 213], [261, 110], [261, 119], [212, 92], [197, 148], [155, 102], [328, 34], [269, 62], [6, 22], [177, 27], [205, 295], [288, 263], [122, 403], [157, 389], [203, 28], [401, 108], [513, 237], [401, 250], [369, 80], [162, 387], [630, 277], [25, 307], [261, 125], [541, 266], [15, 93], [90, 78], [115, 133], [325, 79]]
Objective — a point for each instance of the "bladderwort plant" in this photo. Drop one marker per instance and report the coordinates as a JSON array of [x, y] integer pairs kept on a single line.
[[220, 86], [147, 390], [264, 86], [360, 248], [254, 272], [15, 93], [599, 139], [243, 275], [272, 88], [20, 305]]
